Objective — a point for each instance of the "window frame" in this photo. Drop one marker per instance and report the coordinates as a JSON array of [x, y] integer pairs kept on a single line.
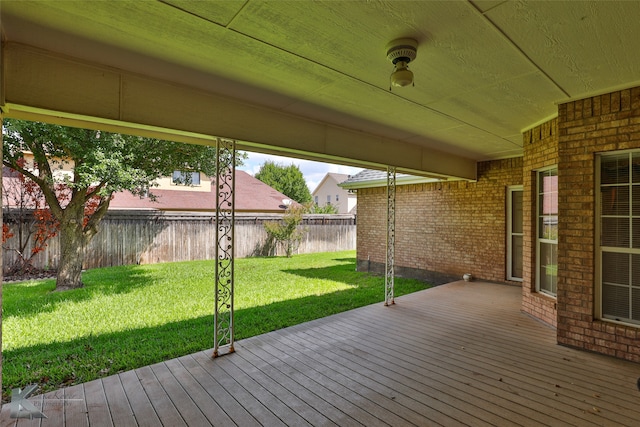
[[600, 249], [183, 174], [539, 240], [510, 190]]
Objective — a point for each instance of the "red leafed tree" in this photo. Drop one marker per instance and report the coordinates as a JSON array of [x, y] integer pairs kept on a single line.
[[33, 224], [6, 233]]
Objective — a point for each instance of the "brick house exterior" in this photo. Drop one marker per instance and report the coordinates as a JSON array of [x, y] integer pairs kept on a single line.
[[441, 227], [446, 229]]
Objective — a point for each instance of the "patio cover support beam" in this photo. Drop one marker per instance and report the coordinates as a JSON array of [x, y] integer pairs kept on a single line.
[[46, 86], [225, 225], [391, 235]]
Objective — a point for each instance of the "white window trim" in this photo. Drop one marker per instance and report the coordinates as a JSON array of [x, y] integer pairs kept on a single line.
[[598, 247], [538, 239], [510, 190], [199, 184]]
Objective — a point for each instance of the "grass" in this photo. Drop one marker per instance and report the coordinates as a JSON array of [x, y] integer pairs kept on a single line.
[[131, 316]]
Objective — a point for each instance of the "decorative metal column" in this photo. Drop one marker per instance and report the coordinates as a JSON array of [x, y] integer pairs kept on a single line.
[[391, 235], [225, 223]]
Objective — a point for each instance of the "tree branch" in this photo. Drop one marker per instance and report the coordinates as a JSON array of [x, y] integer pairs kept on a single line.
[[91, 228], [47, 191]]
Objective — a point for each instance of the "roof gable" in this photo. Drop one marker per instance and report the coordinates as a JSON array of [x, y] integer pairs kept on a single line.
[[337, 178]]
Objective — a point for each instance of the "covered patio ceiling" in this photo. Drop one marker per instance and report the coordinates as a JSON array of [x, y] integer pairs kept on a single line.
[[311, 79]]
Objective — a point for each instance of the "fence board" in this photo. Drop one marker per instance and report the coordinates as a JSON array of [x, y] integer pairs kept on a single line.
[[148, 237]]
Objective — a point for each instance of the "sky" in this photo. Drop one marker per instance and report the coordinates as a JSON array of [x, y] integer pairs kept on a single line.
[[313, 171]]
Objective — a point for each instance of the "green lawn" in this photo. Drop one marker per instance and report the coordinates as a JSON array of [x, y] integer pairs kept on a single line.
[[131, 316]]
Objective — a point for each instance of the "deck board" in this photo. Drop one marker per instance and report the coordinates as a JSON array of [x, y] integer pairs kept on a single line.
[[139, 402], [384, 401], [209, 407], [54, 409], [460, 382], [161, 401], [295, 395], [457, 354], [97, 406], [218, 393], [324, 387], [119, 406], [256, 408], [388, 389], [75, 406], [182, 401]]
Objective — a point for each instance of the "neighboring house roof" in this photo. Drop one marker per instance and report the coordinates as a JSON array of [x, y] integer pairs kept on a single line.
[[337, 177], [14, 193], [8, 172], [251, 195], [369, 178]]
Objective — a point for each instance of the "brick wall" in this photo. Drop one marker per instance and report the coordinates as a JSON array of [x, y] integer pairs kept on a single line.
[[540, 147], [443, 230], [602, 123]]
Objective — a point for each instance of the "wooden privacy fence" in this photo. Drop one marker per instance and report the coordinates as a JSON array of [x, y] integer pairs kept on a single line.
[[147, 237]]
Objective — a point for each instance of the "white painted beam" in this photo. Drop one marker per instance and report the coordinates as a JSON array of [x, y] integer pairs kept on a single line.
[[42, 85]]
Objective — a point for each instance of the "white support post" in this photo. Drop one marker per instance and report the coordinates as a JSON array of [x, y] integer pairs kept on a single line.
[[225, 225], [391, 236]]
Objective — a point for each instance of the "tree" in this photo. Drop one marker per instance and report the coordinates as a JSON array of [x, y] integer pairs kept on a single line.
[[103, 163], [287, 233], [286, 179], [24, 206], [312, 208]]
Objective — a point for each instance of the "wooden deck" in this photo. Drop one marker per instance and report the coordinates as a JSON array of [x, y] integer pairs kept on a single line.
[[458, 354]]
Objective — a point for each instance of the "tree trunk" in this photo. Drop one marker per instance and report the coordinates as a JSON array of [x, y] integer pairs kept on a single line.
[[72, 242]]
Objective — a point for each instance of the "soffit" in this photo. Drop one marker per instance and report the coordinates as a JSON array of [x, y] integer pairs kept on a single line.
[[485, 70]]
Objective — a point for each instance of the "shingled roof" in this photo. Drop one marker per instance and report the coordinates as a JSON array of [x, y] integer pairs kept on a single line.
[[368, 178], [251, 195]]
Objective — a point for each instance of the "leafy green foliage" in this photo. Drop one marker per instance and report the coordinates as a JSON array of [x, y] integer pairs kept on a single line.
[[286, 179], [287, 232], [103, 163], [58, 339], [312, 208]]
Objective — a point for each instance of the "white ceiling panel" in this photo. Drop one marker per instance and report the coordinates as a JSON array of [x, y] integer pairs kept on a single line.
[[484, 70], [585, 47], [498, 108]]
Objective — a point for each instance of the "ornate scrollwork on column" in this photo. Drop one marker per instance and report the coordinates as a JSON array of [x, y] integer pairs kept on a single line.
[[225, 223], [391, 235]]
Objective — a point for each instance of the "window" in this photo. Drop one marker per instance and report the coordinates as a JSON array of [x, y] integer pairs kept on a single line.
[[547, 241], [337, 198], [328, 199], [619, 236], [316, 199], [514, 233], [186, 178]]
